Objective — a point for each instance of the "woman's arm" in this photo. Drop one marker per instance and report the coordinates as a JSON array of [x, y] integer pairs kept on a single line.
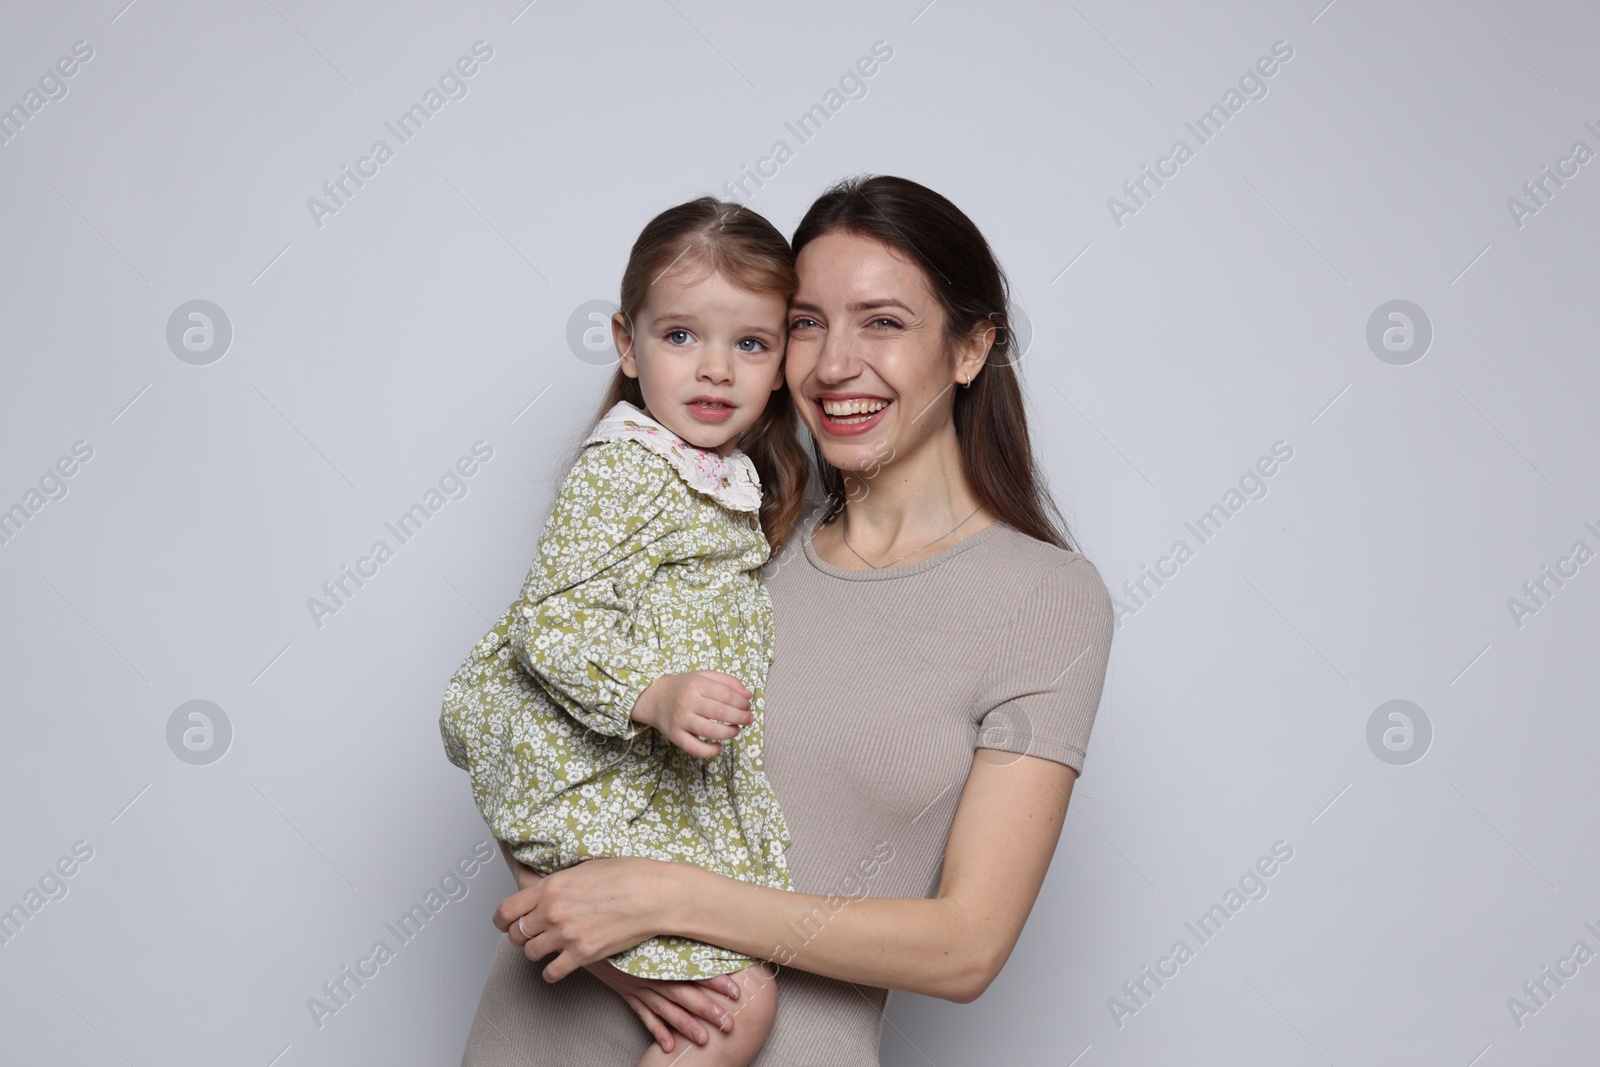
[[663, 1007], [951, 946]]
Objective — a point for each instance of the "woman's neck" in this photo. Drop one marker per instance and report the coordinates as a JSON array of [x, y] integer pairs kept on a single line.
[[914, 506]]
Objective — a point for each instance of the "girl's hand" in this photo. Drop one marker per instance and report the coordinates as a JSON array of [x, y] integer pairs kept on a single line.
[[667, 1006], [591, 911], [683, 708]]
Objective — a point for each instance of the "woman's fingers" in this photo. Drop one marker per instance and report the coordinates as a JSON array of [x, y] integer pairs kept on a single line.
[[540, 946], [561, 966], [522, 928], [515, 907]]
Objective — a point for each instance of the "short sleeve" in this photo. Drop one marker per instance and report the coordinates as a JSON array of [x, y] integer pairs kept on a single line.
[[1043, 685]]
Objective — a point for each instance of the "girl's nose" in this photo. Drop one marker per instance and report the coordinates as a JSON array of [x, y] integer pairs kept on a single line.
[[715, 365]]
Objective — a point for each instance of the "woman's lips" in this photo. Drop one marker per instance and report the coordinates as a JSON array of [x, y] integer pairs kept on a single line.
[[849, 425], [710, 410]]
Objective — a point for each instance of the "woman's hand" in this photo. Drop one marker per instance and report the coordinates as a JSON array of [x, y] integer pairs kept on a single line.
[[667, 1006], [591, 911], [661, 1006]]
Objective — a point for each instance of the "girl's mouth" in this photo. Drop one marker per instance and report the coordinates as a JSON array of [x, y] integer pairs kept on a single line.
[[846, 416], [709, 409]]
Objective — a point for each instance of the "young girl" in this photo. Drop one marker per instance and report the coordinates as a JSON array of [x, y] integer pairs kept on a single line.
[[615, 708]]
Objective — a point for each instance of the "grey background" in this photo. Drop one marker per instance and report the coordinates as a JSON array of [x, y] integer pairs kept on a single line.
[[1169, 354]]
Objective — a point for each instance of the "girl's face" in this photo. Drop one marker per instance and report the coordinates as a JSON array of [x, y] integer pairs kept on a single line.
[[867, 360], [707, 354]]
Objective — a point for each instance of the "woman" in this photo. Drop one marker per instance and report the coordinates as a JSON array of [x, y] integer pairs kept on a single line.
[[940, 655]]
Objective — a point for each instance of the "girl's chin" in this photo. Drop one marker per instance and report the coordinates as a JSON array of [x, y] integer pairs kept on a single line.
[[710, 438]]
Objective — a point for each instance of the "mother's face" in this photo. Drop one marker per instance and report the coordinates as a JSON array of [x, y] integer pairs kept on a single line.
[[867, 361]]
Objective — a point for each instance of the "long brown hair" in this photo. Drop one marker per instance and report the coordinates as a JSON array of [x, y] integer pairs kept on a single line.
[[990, 416], [749, 252]]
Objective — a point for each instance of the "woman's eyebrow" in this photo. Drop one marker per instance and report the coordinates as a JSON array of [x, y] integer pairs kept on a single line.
[[860, 305]]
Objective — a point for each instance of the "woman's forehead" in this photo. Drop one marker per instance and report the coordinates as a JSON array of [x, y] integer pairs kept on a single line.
[[847, 263]]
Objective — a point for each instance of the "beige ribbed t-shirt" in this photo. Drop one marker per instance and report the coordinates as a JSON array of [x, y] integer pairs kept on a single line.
[[883, 683]]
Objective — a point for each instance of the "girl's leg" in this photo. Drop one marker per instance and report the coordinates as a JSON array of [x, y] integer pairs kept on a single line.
[[752, 1013]]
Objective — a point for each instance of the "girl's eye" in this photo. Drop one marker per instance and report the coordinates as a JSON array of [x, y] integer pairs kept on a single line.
[[677, 337], [756, 342]]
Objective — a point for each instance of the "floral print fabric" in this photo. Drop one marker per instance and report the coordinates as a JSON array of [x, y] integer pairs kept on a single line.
[[643, 569]]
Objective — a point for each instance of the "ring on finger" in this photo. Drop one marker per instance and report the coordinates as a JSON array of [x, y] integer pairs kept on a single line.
[[522, 931]]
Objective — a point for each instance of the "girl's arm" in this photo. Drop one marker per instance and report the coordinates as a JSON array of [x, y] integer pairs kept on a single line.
[[951, 946], [600, 547], [572, 628]]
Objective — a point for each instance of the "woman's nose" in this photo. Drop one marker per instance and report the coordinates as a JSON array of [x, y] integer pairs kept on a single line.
[[836, 362]]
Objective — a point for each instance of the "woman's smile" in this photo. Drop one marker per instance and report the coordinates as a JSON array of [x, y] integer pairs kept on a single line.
[[847, 414]]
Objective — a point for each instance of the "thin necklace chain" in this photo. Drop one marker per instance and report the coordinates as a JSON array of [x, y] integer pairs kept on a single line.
[[844, 534]]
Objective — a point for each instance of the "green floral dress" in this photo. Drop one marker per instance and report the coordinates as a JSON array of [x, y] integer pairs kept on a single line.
[[647, 566]]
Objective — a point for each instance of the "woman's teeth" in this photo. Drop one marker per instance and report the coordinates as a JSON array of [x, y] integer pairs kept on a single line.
[[852, 410]]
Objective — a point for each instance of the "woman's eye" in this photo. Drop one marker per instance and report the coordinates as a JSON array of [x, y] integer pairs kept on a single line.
[[885, 322], [677, 337], [802, 322]]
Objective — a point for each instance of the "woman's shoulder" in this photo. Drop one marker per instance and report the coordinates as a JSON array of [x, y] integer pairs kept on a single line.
[[1012, 550], [1050, 577]]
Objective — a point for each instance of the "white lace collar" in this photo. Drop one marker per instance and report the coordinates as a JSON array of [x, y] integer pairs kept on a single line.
[[729, 480]]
